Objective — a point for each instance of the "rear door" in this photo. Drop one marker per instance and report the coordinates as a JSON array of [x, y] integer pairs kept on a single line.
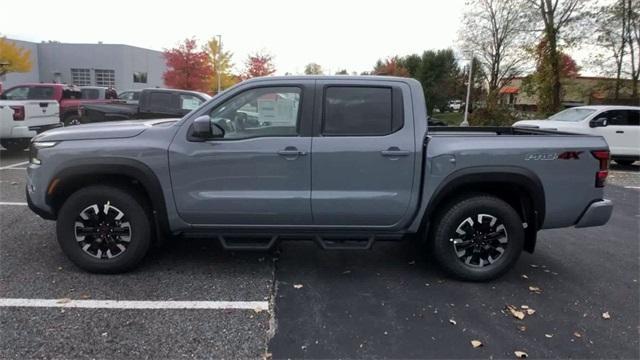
[[363, 153]]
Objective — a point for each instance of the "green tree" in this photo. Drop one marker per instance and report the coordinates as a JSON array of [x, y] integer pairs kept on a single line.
[[560, 20], [313, 69], [439, 74], [342, 72], [390, 67]]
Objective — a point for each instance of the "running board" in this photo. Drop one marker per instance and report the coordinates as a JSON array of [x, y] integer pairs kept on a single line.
[[345, 242], [247, 242]]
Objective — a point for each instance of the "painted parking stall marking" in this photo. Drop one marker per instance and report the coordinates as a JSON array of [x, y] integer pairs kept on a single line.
[[14, 166], [13, 203], [139, 305]]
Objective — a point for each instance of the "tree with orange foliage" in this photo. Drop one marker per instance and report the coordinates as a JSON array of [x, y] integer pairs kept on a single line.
[[390, 67], [188, 67], [258, 64]]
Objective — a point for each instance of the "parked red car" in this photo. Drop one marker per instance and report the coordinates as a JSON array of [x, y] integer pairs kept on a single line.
[[68, 96]]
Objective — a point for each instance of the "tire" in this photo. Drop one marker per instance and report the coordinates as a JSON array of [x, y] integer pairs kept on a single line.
[[71, 120], [502, 251], [624, 162], [107, 240], [15, 145]]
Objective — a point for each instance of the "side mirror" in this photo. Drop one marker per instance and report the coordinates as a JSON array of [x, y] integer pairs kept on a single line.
[[202, 129], [599, 122]]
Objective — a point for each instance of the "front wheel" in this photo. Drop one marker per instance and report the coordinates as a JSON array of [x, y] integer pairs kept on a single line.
[[15, 144], [477, 238], [104, 229]]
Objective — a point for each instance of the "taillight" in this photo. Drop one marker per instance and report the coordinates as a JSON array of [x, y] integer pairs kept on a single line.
[[18, 113], [601, 175]]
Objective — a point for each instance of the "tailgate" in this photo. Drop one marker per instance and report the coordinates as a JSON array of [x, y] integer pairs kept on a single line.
[[41, 112]]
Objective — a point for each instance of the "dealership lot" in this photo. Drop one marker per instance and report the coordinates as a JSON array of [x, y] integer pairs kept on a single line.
[[308, 303]]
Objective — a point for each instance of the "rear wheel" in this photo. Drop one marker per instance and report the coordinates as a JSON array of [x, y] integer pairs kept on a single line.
[[104, 229], [15, 144], [624, 162], [477, 238]]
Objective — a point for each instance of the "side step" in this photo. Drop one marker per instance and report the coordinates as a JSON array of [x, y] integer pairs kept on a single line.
[[335, 242], [247, 242]]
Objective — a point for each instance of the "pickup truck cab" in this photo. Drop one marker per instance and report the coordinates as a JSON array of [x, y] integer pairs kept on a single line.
[[69, 97], [343, 161], [619, 125], [152, 103], [20, 120]]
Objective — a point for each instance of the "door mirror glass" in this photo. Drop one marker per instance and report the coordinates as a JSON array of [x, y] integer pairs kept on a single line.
[[599, 122], [204, 129]]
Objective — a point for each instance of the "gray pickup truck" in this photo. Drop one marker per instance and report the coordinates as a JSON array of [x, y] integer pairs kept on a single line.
[[343, 161]]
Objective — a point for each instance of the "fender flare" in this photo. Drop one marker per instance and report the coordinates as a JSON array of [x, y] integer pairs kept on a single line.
[[523, 178], [91, 167]]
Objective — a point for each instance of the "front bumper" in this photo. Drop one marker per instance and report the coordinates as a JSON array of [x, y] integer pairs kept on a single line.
[[36, 197], [596, 214]]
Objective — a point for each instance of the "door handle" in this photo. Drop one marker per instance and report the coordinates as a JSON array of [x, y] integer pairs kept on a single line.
[[291, 151], [394, 152], [619, 132]]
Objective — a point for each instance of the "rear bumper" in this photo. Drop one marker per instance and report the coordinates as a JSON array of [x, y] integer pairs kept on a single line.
[[596, 214]]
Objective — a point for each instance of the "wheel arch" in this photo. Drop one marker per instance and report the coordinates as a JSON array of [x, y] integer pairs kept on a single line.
[[114, 171], [519, 187]]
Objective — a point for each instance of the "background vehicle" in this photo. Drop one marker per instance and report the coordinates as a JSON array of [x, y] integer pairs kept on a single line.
[[130, 96], [152, 104], [68, 97], [97, 93], [348, 162], [22, 120], [619, 125], [454, 105]]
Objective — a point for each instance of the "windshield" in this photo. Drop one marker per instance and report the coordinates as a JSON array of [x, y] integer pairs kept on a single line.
[[574, 114]]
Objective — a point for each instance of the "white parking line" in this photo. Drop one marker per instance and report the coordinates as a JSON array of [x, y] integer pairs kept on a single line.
[[14, 168], [127, 304], [14, 165], [632, 187], [11, 203]]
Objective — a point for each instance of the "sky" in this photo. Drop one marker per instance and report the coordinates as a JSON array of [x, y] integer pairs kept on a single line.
[[347, 34]]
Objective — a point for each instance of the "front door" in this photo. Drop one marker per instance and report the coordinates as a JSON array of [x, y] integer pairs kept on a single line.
[[363, 154], [259, 173], [622, 131]]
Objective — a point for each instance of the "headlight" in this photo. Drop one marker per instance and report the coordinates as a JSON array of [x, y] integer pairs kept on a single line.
[[35, 146]]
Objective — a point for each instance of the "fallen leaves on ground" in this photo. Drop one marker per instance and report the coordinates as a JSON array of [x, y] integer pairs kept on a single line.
[[535, 289], [521, 354], [522, 328], [524, 276], [606, 316], [452, 321], [577, 334], [476, 343], [297, 286], [63, 301], [515, 312], [548, 336]]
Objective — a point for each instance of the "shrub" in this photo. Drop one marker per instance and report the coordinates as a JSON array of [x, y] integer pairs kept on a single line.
[[487, 117]]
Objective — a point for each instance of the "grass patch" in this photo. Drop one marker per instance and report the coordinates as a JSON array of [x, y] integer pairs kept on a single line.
[[451, 118]]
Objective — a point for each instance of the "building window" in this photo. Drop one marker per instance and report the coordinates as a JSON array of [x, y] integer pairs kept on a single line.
[[81, 77], [140, 77], [105, 77]]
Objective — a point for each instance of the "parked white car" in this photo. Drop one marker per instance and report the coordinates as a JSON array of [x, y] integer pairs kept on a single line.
[[455, 105], [20, 120], [619, 125]]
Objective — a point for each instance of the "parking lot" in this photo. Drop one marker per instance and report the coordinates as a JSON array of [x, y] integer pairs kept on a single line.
[[301, 302]]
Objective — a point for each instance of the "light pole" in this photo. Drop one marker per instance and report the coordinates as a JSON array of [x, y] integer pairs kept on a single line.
[[218, 61], [465, 122]]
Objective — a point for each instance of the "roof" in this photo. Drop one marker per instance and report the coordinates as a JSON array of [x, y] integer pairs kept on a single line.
[[608, 107], [509, 90], [330, 77]]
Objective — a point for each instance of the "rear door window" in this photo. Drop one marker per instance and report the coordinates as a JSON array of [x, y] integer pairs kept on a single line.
[[41, 93], [359, 111]]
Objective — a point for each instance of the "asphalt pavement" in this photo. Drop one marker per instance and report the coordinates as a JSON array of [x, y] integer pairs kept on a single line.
[[388, 302]]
